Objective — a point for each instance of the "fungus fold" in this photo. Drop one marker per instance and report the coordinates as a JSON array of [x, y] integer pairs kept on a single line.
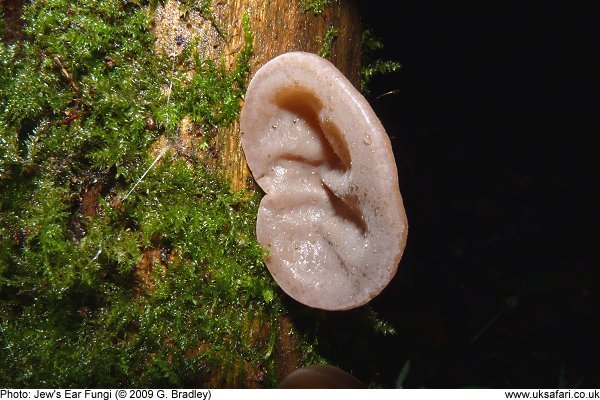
[[332, 217]]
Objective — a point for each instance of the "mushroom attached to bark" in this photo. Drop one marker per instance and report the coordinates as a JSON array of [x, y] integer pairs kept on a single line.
[[332, 216], [320, 377]]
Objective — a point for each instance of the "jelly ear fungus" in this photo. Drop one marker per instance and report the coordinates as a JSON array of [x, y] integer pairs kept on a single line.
[[332, 217]]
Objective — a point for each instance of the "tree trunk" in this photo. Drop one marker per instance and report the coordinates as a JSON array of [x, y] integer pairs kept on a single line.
[[278, 26]]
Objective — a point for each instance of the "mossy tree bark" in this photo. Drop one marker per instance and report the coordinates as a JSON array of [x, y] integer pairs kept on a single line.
[[181, 250], [278, 26]]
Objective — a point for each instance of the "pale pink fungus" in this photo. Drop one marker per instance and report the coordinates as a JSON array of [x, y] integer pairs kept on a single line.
[[332, 216]]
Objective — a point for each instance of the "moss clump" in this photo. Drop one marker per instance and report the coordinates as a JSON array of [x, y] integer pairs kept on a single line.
[[371, 65], [328, 39], [163, 288], [152, 294], [107, 279], [315, 6]]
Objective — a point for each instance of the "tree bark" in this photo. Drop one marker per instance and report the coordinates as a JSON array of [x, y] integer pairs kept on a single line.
[[278, 26], [11, 11]]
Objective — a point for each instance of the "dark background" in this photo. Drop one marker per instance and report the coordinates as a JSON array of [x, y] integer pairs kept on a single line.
[[491, 126]]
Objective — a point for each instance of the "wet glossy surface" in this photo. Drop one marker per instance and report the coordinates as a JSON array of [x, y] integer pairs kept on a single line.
[[332, 217]]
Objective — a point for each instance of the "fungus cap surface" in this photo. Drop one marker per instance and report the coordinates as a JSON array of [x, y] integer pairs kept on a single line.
[[332, 216]]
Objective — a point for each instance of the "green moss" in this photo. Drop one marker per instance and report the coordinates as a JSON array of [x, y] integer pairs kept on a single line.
[[315, 6], [164, 287], [370, 64], [328, 39], [157, 290]]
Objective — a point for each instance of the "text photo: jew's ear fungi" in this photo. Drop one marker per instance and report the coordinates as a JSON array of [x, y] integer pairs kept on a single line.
[[332, 217]]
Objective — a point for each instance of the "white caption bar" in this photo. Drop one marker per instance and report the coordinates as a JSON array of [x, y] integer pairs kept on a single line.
[[318, 394]]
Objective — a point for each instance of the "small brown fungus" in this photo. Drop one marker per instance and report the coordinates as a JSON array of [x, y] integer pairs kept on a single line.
[[320, 377], [332, 217]]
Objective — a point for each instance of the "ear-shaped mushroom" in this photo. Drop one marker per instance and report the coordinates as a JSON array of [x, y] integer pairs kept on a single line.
[[332, 216]]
